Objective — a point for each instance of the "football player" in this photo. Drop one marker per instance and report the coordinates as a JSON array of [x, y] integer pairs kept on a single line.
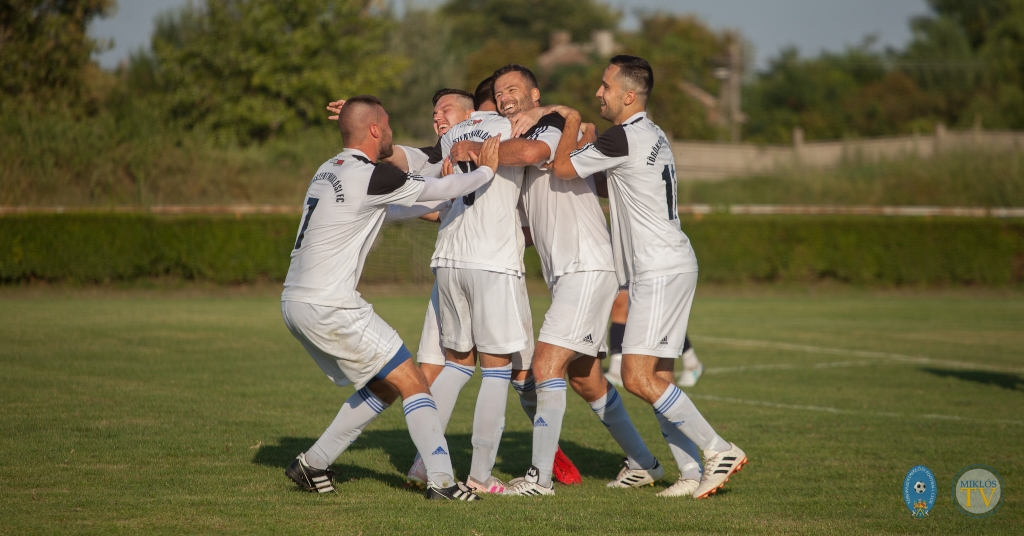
[[651, 253], [345, 205]]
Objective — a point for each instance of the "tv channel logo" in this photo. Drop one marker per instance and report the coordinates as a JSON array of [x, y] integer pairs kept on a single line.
[[919, 490], [978, 491]]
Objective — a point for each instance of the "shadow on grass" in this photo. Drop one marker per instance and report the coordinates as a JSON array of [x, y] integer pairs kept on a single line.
[[514, 456], [1005, 380]]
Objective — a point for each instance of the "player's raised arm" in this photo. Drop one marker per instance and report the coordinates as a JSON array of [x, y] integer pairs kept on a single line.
[[459, 184], [562, 166]]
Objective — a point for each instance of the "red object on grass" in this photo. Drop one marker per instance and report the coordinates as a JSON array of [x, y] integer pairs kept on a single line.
[[564, 471]]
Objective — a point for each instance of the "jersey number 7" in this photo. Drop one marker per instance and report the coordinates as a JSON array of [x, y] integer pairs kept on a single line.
[[311, 203]]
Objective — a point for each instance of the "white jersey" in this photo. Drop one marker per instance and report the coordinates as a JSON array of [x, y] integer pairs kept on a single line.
[[565, 217], [425, 161], [647, 241], [482, 230], [343, 212]]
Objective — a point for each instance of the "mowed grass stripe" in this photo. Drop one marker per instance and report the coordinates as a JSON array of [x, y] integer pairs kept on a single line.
[[175, 415]]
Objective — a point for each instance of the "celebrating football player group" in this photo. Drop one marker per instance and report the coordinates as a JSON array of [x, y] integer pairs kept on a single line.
[[507, 173]]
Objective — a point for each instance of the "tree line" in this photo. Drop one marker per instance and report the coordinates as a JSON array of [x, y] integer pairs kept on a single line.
[[244, 73]]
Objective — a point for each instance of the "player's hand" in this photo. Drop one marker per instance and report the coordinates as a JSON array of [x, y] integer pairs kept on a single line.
[[460, 151], [447, 168], [524, 121], [564, 111], [488, 153], [335, 108], [589, 132]]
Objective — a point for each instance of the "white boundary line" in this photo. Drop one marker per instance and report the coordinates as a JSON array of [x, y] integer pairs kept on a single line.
[[837, 411], [899, 358]]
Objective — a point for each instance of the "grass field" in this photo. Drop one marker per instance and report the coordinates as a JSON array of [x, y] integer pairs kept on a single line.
[[150, 412]]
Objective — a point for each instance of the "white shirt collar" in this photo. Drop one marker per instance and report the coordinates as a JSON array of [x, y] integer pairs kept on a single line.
[[634, 117]]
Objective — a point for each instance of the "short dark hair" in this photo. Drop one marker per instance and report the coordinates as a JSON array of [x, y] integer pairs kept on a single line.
[[349, 116], [484, 92], [449, 91], [531, 80], [637, 71]]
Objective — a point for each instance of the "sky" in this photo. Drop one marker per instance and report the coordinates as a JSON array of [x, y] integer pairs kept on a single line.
[[770, 25]]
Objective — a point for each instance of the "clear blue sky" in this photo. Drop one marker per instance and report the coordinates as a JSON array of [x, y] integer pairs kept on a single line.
[[810, 25]]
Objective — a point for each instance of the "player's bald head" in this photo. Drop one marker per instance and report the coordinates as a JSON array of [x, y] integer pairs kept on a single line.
[[356, 117]]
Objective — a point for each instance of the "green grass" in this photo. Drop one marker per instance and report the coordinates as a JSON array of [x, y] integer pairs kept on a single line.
[[175, 412], [960, 178]]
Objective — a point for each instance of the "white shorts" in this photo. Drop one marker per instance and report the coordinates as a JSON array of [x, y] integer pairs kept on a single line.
[[431, 351], [659, 309], [581, 303], [489, 310], [350, 345]]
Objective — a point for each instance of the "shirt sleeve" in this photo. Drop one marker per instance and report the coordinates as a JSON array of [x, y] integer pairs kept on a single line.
[[416, 157], [611, 150], [549, 131], [390, 185]]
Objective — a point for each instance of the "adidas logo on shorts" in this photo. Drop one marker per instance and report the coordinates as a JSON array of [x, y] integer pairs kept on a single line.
[[664, 340], [540, 422], [588, 339], [439, 450]]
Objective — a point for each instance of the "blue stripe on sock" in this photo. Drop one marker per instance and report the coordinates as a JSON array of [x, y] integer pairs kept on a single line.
[[498, 373], [420, 404], [468, 371], [371, 400], [609, 398], [668, 403], [555, 384], [524, 386]]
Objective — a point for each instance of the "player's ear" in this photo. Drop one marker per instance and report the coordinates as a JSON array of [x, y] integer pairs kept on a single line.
[[375, 130], [629, 97], [535, 95]]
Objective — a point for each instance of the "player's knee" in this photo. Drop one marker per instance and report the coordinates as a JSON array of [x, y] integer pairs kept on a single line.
[[589, 387]]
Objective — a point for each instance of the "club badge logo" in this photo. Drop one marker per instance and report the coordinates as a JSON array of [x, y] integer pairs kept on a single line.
[[978, 491], [919, 490]]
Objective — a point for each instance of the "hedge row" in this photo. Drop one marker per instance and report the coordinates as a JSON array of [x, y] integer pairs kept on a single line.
[[860, 250]]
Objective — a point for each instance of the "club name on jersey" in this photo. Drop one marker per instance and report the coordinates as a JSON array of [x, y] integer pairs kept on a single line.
[[339, 196], [481, 134], [653, 157]]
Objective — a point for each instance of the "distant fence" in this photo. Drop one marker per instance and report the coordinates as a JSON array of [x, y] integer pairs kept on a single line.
[[712, 161]]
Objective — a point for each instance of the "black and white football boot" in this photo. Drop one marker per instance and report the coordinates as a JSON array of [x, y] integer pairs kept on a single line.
[[310, 478], [635, 478], [458, 492], [529, 485]]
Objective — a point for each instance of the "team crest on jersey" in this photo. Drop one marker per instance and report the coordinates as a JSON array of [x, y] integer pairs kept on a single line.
[[477, 121], [338, 162]]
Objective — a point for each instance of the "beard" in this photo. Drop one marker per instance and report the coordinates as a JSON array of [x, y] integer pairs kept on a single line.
[[608, 113], [386, 150]]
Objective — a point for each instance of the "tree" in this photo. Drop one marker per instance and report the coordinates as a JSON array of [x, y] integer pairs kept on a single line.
[[248, 70], [477, 21], [44, 47]]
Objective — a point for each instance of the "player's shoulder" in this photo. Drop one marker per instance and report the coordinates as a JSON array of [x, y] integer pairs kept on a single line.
[[549, 123], [386, 178], [613, 142]]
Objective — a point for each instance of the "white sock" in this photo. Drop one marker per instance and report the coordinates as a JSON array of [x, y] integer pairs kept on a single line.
[[680, 411], [685, 452], [358, 411], [612, 412], [615, 365], [426, 432], [446, 389], [547, 426], [527, 390], [489, 420]]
